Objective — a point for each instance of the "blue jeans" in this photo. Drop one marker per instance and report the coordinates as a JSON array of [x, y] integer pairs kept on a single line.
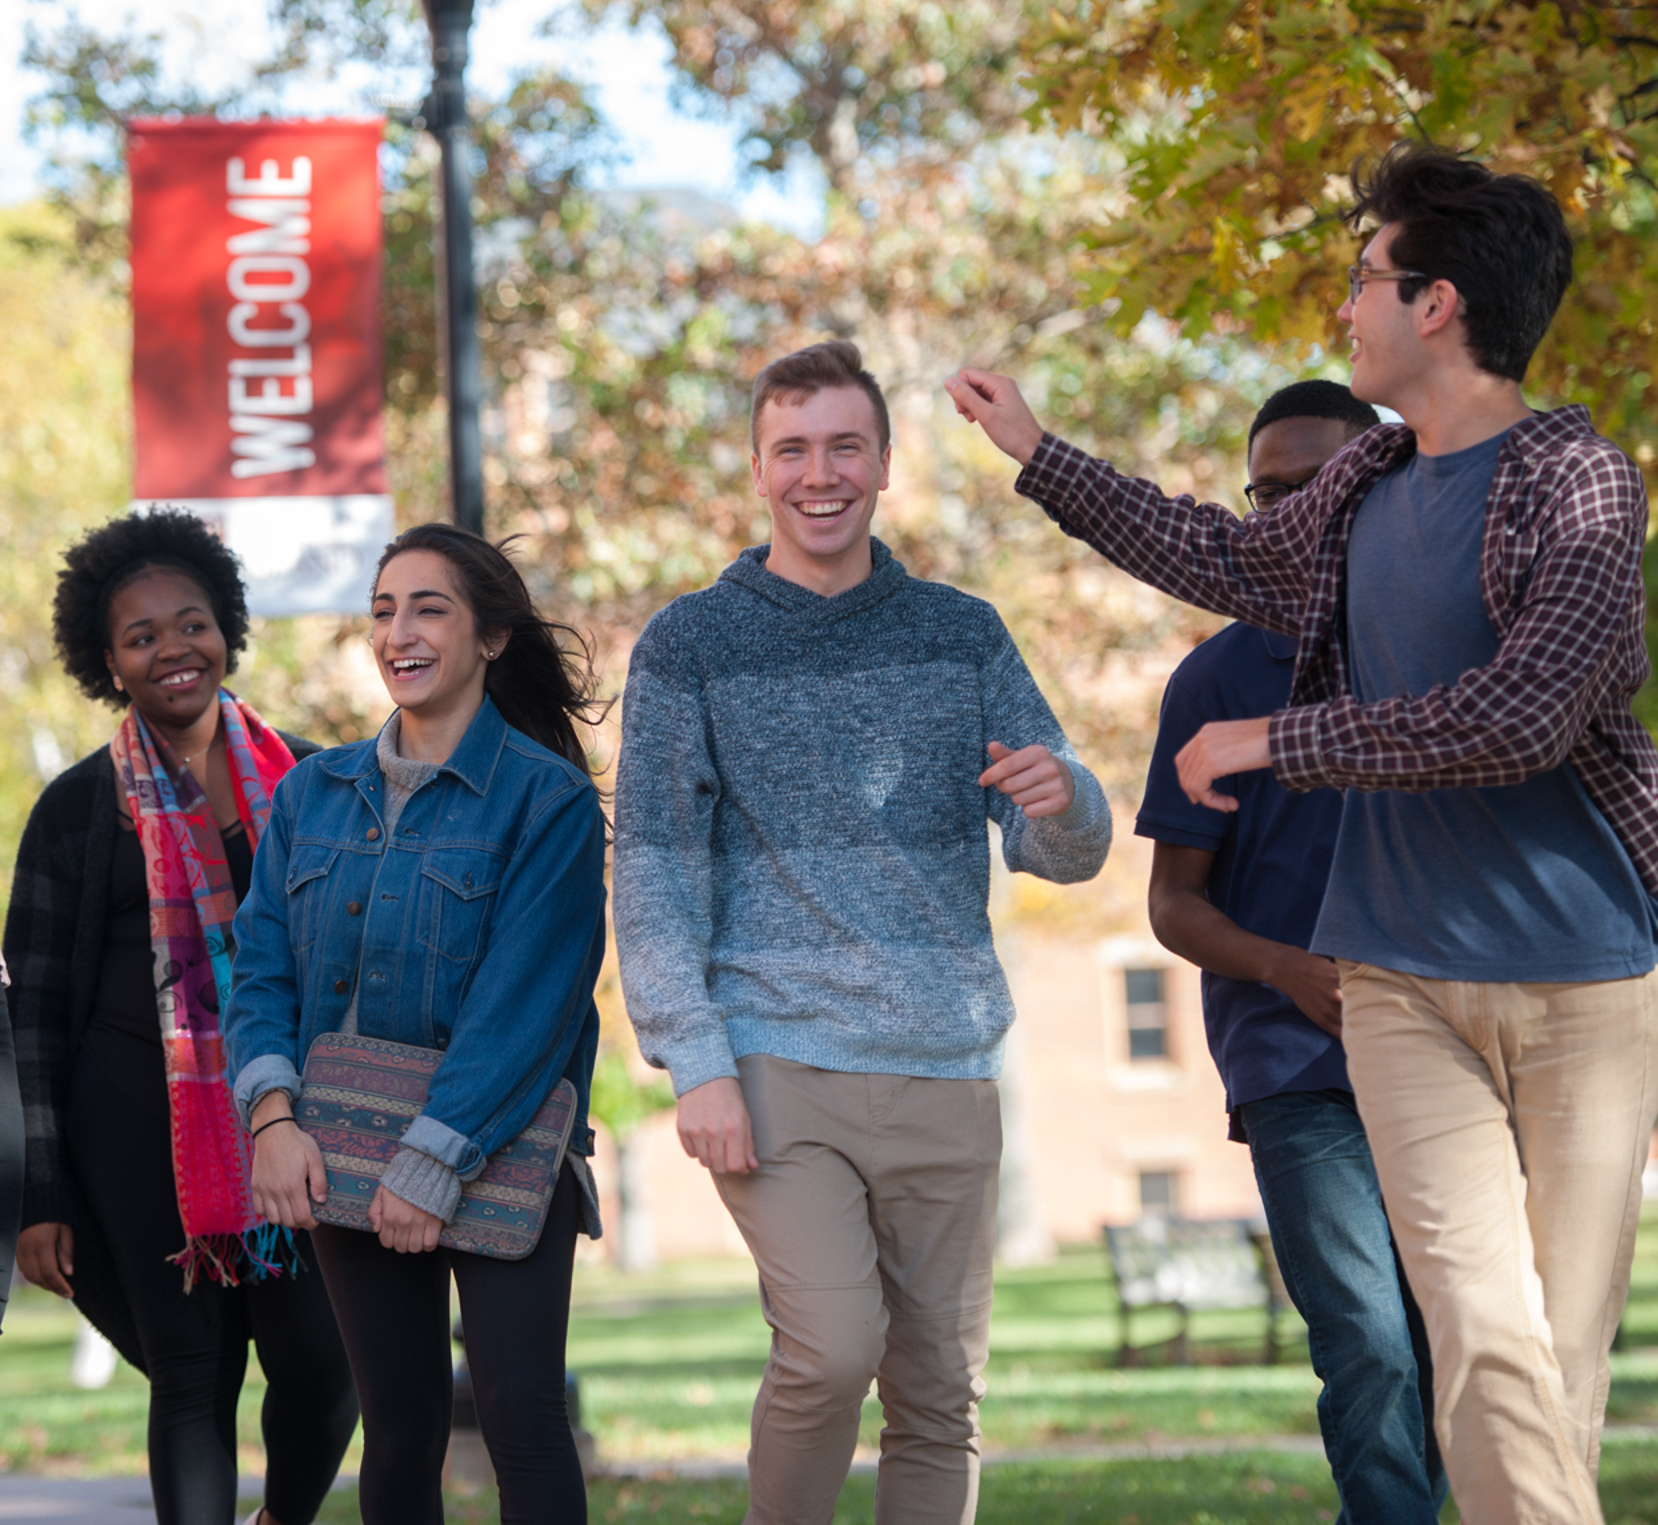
[[1330, 1232]]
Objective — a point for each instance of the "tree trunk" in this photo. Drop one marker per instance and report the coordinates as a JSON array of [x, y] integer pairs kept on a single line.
[[1022, 1237], [636, 1232]]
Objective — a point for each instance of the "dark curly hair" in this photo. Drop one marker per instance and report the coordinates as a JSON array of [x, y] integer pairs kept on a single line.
[[115, 553]]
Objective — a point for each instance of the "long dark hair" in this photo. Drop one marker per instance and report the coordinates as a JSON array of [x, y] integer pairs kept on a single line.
[[541, 685]]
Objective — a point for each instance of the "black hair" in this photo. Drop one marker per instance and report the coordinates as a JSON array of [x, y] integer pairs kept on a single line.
[[1501, 240], [806, 372], [1315, 399], [108, 558], [539, 686]]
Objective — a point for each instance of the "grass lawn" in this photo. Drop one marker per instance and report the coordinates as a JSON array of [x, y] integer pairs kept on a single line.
[[669, 1364], [1244, 1488]]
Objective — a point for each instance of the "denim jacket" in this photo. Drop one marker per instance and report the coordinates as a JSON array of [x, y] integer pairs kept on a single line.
[[479, 931]]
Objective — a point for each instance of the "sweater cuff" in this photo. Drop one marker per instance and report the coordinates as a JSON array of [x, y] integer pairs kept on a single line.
[[704, 1057], [423, 1182], [267, 1073], [46, 1203], [445, 1145], [1297, 755], [1087, 800]]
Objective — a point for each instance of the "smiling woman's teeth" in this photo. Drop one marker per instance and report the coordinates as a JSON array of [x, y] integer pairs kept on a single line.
[[177, 679], [411, 664]]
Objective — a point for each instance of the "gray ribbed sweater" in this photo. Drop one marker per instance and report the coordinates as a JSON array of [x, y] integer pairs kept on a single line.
[[802, 861]]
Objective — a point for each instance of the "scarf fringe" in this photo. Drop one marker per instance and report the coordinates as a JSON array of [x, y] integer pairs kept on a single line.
[[231, 1259]]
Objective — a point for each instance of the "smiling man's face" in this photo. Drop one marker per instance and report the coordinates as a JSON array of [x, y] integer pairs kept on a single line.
[[819, 465]]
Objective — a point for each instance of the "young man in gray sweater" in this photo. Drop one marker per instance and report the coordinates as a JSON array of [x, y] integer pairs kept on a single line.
[[811, 750]]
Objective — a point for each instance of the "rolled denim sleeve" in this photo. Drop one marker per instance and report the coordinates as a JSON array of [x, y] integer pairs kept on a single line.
[[262, 1020]]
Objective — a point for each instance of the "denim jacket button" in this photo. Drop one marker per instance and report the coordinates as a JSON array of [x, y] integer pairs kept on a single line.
[[355, 908], [341, 986], [373, 833]]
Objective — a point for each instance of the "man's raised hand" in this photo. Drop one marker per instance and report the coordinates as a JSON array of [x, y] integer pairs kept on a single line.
[[995, 404], [1033, 778], [714, 1127]]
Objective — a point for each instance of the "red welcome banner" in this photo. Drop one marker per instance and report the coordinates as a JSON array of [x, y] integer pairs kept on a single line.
[[256, 257]]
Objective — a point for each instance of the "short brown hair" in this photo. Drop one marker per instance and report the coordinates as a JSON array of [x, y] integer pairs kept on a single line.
[[794, 378]]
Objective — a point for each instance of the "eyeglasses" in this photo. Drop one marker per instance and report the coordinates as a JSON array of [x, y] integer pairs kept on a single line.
[[1266, 494], [1358, 275]]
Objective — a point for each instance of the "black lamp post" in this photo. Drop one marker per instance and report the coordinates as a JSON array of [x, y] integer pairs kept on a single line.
[[445, 116]]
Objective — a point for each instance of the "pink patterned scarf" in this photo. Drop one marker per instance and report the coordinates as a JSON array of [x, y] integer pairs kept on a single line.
[[191, 906]]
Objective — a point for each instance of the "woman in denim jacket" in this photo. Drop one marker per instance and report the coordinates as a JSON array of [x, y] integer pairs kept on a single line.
[[441, 885]]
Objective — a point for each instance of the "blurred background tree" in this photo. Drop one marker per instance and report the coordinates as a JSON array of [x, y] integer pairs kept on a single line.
[[623, 1100], [1239, 121], [621, 331]]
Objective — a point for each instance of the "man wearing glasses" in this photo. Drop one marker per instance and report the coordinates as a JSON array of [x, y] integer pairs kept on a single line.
[[1239, 894], [1467, 593]]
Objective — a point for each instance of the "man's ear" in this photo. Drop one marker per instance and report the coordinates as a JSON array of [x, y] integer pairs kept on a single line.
[[759, 478], [886, 468], [1440, 309]]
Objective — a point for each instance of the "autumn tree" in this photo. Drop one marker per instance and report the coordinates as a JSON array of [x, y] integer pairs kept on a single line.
[[1239, 121], [619, 336], [620, 332]]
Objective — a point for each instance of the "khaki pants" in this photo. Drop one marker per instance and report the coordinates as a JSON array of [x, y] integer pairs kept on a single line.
[[1510, 1125], [872, 1219]]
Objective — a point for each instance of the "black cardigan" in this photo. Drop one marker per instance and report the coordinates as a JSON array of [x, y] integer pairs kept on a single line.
[[54, 948]]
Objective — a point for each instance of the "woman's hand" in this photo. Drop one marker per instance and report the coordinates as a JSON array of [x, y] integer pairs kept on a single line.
[[401, 1225], [288, 1173], [46, 1256]]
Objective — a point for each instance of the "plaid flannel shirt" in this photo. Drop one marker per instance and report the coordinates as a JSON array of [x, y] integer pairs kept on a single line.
[[1560, 576]]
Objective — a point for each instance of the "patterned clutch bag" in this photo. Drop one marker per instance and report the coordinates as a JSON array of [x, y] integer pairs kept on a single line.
[[357, 1098]]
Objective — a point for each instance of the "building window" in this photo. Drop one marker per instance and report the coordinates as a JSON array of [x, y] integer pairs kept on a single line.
[[1158, 1196], [1148, 1014]]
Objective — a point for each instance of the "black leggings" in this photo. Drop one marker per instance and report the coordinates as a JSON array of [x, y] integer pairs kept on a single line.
[[394, 1314], [195, 1346]]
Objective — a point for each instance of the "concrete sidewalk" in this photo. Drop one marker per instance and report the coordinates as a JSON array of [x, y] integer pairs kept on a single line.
[[90, 1501]]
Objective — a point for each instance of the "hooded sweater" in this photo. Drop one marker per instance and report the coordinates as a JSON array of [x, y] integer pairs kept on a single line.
[[802, 862]]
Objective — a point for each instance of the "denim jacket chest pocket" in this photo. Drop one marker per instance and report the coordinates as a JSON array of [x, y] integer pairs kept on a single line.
[[310, 866], [458, 888]]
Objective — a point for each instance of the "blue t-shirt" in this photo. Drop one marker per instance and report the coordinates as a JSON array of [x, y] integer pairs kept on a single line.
[[1523, 883], [1272, 857]]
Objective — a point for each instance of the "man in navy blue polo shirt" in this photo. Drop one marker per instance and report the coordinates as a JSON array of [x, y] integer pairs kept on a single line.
[[1239, 895]]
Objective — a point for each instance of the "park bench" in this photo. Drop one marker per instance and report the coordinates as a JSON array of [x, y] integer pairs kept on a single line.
[[1190, 1266]]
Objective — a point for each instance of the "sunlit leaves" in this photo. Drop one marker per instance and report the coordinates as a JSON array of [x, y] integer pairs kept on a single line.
[[1239, 120]]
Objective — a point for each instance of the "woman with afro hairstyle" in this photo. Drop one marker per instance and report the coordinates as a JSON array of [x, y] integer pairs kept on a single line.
[[137, 1190]]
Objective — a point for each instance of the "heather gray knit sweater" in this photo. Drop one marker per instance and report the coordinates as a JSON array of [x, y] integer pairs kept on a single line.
[[802, 860]]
